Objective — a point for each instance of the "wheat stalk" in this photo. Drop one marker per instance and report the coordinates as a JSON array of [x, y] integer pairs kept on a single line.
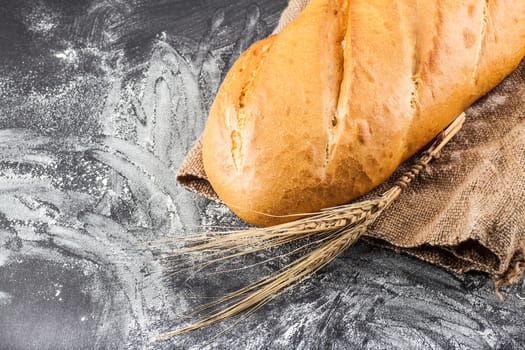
[[333, 231]]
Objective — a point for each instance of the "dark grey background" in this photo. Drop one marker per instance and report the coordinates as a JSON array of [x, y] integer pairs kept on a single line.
[[100, 100]]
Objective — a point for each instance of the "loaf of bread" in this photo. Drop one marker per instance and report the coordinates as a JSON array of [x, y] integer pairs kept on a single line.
[[326, 110]]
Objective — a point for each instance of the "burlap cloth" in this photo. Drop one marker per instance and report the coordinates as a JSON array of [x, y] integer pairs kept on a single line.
[[467, 211]]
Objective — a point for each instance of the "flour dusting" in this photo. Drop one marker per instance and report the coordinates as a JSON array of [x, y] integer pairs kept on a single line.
[[5, 298], [94, 123]]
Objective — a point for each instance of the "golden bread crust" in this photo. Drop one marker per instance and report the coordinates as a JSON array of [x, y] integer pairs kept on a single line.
[[326, 110]]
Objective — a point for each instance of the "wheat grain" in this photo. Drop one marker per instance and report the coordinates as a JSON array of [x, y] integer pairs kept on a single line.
[[333, 231]]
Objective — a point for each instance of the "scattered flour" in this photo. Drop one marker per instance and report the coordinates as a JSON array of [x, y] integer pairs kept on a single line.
[[4, 256], [69, 55], [5, 298]]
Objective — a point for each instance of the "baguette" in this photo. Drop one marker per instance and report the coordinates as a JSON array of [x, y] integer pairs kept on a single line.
[[326, 110]]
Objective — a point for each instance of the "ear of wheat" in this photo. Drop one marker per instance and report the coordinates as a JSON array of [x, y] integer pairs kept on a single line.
[[331, 231]]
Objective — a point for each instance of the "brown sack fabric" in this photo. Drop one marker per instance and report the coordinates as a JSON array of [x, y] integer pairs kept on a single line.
[[467, 212]]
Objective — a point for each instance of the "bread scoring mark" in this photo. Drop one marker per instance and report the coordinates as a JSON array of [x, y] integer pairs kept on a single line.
[[330, 141], [416, 67], [479, 49], [333, 119], [236, 134], [407, 19], [414, 96]]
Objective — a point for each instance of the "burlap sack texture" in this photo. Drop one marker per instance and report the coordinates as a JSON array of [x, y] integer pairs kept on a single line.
[[467, 212]]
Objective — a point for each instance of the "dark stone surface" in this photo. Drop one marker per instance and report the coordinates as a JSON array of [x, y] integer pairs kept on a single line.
[[100, 101]]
